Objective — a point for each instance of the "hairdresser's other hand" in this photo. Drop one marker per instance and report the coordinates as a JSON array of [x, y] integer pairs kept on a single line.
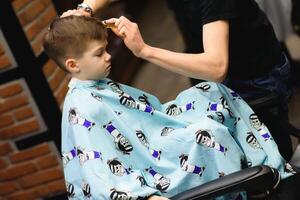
[[130, 33], [154, 197], [76, 12]]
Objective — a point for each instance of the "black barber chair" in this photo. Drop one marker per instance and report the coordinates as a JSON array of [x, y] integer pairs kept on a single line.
[[260, 182]]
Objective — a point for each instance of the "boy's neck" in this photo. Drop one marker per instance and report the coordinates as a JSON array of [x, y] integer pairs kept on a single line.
[[80, 78], [75, 81]]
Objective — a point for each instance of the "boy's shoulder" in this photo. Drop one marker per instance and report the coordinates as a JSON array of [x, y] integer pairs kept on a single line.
[[81, 95], [84, 101]]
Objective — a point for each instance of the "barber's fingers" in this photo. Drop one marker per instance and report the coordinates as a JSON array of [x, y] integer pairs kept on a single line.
[[115, 21], [120, 19], [123, 21], [75, 12], [122, 24], [120, 33], [124, 27], [119, 22], [82, 12], [68, 13], [131, 26], [123, 31], [111, 20]]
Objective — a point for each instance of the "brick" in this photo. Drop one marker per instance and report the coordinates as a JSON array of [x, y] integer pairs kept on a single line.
[[33, 30], [49, 68], [37, 43], [4, 62], [31, 12], [14, 102], [23, 113], [57, 79], [41, 23], [10, 90], [30, 153], [41, 177], [3, 164], [23, 195], [47, 161], [1, 49], [8, 187], [20, 129], [6, 120], [50, 15], [57, 186], [5, 148], [18, 4], [45, 2], [17, 171], [62, 91]]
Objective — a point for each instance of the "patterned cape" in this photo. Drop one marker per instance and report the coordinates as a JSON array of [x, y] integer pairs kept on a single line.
[[121, 143]]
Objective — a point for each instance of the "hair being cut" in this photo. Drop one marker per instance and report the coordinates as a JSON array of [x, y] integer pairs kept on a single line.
[[68, 37]]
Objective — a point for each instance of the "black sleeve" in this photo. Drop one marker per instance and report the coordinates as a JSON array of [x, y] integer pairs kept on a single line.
[[296, 12], [213, 10], [295, 17]]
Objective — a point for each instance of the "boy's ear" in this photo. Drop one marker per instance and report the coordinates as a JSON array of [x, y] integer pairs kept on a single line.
[[72, 65]]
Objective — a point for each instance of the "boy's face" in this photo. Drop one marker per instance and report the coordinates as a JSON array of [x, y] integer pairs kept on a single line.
[[95, 62]]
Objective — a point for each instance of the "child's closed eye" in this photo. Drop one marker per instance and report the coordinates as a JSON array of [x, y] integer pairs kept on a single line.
[[100, 54]]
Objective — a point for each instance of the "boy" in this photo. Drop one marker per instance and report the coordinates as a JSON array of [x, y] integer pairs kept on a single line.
[[121, 143]]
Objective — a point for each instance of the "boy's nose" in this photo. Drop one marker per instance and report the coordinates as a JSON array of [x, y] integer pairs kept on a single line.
[[108, 57]]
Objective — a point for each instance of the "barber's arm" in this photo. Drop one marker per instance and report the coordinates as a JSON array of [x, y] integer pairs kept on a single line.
[[97, 5], [93, 5], [211, 65]]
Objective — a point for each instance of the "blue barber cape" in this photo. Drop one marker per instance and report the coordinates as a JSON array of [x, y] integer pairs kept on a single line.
[[121, 143]]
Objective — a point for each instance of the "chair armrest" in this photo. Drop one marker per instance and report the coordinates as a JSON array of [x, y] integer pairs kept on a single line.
[[254, 180]]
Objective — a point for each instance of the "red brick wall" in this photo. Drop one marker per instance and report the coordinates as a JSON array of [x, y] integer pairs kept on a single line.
[[34, 16], [35, 172], [17, 117], [32, 173], [5, 63], [58, 80]]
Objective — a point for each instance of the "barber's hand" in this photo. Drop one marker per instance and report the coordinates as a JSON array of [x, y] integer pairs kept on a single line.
[[76, 12], [130, 34], [154, 197]]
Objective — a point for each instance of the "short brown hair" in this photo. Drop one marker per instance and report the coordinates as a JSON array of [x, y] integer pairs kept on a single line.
[[69, 36]]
